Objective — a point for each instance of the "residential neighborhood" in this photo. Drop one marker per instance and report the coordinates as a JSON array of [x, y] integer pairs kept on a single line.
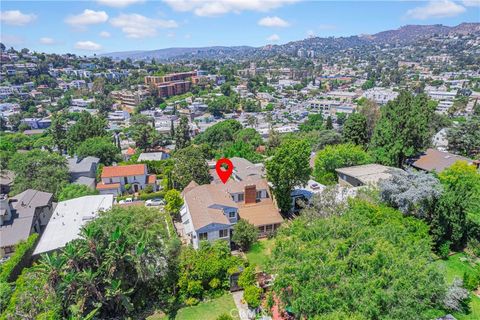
[[221, 160]]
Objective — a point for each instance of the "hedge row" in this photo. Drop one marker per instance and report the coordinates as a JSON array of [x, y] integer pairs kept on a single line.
[[10, 270]]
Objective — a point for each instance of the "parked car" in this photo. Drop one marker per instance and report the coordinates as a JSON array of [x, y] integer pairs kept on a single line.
[[127, 200], [154, 202]]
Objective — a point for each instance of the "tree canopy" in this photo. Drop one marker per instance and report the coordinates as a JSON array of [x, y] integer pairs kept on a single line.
[[41, 170], [289, 167], [190, 164], [100, 147], [403, 129], [338, 156], [369, 261]]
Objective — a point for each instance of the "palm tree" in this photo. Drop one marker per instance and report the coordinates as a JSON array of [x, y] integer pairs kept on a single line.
[[51, 265]]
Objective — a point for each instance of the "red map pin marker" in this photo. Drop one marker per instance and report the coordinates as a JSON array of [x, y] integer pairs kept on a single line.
[[222, 173]]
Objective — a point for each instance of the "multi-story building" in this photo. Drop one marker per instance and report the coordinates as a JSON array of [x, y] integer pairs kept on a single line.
[[129, 98], [172, 84]]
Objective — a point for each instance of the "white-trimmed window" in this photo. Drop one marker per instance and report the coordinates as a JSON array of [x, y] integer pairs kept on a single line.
[[223, 233], [203, 236], [232, 214]]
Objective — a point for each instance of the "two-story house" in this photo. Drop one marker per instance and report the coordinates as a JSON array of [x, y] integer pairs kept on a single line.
[[115, 178], [22, 215], [210, 211]]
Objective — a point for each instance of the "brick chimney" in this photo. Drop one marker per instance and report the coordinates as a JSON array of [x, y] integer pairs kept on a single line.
[[250, 194]]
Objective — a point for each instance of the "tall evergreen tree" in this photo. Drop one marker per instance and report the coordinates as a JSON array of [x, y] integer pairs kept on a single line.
[[355, 129], [182, 136], [403, 129]]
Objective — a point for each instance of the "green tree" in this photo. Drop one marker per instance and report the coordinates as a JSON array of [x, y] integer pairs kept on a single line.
[[190, 165], [252, 296], [123, 262], [288, 168], [371, 111], [182, 136], [72, 191], [144, 135], [355, 129], [464, 138], [313, 122], [402, 130], [58, 131], [338, 156], [219, 133], [244, 234], [41, 170], [87, 126], [353, 261], [329, 123], [206, 269], [100, 147], [457, 216], [174, 201]]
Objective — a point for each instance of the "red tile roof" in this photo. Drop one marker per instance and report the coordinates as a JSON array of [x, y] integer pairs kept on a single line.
[[130, 151], [124, 171], [151, 179], [109, 186]]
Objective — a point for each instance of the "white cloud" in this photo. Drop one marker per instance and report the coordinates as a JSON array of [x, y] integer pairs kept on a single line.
[[87, 17], [16, 17], [471, 3], [436, 9], [105, 34], [47, 41], [88, 45], [273, 38], [138, 26], [219, 7], [119, 3], [273, 22]]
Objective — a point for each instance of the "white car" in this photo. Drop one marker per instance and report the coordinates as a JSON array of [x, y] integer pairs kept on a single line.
[[128, 200], [154, 202]]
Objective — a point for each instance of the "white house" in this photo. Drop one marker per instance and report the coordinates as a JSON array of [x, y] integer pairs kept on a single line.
[[115, 178]]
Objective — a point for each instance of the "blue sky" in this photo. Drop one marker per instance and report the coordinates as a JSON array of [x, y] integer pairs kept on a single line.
[[87, 27]]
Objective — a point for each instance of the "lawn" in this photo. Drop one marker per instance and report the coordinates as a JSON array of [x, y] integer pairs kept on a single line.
[[209, 310], [259, 252], [453, 268]]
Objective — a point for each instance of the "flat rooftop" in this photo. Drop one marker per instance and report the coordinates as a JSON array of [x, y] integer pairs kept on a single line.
[[68, 218]]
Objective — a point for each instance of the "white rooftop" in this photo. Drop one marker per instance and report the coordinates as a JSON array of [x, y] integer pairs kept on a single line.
[[68, 218]]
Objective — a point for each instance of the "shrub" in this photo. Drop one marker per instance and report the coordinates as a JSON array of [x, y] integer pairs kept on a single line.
[[224, 316], [191, 301], [13, 266], [5, 293], [247, 277], [444, 250], [214, 283], [252, 295], [244, 234], [471, 280], [147, 196], [148, 189]]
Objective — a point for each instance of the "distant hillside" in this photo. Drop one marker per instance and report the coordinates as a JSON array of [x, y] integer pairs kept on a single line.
[[169, 53], [410, 33], [403, 35]]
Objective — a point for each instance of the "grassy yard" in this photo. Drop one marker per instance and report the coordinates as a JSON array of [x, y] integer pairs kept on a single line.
[[259, 252], [209, 310], [453, 268]]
